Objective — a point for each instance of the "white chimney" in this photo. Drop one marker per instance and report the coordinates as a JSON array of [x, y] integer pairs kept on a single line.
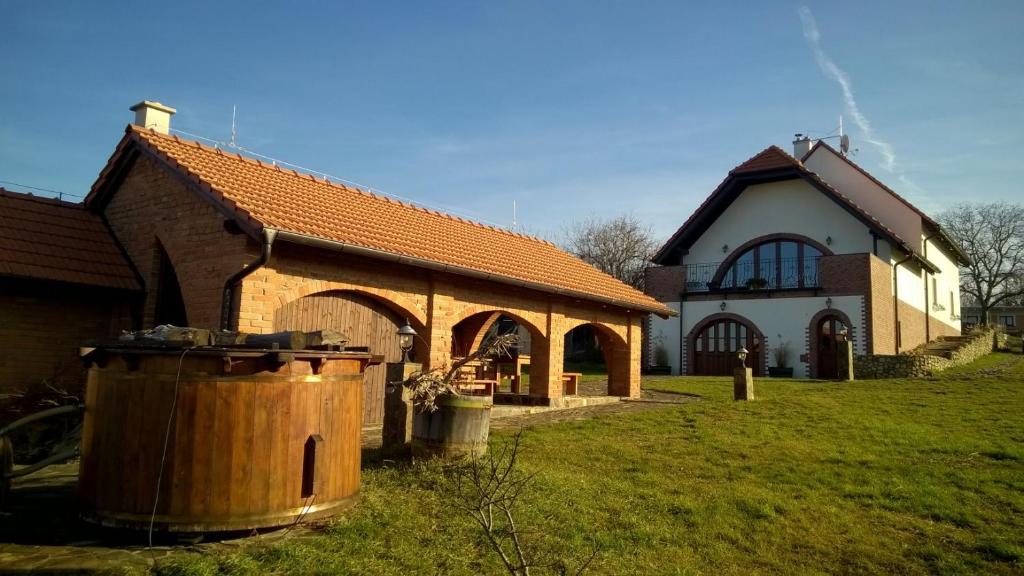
[[802, 145], [153, 115]]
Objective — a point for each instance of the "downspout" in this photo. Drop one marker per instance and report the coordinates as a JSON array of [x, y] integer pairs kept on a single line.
[[927, 314], [229, 286], [896, 300]]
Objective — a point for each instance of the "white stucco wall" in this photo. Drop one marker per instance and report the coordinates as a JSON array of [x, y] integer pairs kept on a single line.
[[791, 206], [866, 194], [667, 331], [779, 319], [948, 281]]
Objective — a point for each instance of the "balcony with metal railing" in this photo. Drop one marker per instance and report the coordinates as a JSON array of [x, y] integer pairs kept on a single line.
[[768, 274]]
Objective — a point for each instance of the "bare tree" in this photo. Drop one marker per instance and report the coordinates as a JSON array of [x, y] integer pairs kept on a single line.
[[992, 235], [621, 247]]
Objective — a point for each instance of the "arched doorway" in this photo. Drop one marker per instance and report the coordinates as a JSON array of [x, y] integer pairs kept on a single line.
[[170, 305], [827, 345], [366, 321], [595, 361], [509, 373], [715, 342]]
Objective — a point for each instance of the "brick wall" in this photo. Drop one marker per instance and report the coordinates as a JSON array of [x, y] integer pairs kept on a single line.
[[154, 207], [151, 205], [881, 331], [664, 283], [43, 325]]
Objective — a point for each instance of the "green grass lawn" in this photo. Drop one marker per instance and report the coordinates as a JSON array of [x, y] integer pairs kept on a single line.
[[887, 477]]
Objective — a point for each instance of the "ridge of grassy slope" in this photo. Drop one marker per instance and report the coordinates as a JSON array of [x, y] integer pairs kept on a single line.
[[921, 476]]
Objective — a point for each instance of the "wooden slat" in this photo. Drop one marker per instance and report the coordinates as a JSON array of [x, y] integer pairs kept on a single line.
[[365, 321]]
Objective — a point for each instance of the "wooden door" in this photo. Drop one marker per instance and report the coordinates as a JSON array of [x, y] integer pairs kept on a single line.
[[828, 347], [367, 322], [715, 348]]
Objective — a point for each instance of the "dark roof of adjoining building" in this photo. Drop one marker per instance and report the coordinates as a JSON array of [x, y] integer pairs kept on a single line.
[[48, 239], [302, 208], [929, 222], [770, 165]]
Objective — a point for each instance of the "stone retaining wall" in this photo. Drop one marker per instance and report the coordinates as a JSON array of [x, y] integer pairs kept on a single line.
[[872, 366]]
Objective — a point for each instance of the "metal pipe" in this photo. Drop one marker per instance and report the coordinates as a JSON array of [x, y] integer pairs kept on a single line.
[[453, 269], [269, 234], [71, 408], [54, 459], [927, 315], [896, 300]]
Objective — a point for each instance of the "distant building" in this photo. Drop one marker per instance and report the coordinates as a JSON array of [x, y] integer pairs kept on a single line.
[[788, 251]]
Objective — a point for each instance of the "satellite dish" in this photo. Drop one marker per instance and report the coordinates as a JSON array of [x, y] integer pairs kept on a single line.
[[844, 143]]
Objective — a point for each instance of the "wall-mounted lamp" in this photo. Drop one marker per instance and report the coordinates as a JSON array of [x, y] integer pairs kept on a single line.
[[722, 306], [405, 336], [828, 302], [725, 248], [828, 240]]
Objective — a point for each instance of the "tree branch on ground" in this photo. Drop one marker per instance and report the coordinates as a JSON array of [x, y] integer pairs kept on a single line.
[[621, 247], [427, 386], [992, 236]]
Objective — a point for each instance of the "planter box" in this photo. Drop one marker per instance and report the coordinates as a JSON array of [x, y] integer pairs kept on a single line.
[[459, 427], [774, 372]]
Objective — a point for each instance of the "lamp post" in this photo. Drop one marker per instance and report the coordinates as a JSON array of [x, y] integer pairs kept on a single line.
[[743, 377], [398, 409], [405, 336], [844, 351]]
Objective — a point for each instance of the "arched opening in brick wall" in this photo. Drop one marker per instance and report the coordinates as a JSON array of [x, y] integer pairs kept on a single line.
[[598, 358], [822, 342], [713, 343], [510, 372], [170, 304], [368, 321]]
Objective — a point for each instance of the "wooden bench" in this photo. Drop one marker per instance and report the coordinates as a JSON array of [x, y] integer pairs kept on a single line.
[[477, 387], [571, 383]]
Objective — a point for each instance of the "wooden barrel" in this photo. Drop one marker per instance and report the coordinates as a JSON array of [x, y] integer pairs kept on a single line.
[[459, 427], [256, 438]]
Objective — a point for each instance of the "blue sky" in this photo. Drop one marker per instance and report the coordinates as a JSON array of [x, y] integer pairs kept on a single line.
[[572, 109]]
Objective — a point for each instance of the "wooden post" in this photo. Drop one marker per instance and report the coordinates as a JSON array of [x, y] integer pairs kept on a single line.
[[398, 408], [743, 383]]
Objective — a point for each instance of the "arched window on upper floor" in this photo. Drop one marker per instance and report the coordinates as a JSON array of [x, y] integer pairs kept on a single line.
[[773, 264]]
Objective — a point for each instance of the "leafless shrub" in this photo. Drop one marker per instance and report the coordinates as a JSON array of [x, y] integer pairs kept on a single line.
[[429, 385], [488, 489]]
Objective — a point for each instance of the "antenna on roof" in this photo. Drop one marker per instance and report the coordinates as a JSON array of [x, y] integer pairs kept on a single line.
[[844, 140], [234, 132]]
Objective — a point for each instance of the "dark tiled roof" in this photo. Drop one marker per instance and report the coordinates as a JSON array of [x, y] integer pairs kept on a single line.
[[262, 195], [769, 162], [48, 239]]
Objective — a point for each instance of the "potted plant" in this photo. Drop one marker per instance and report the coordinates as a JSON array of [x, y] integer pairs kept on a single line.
[[446, 420], [782, 369], [756, 283]]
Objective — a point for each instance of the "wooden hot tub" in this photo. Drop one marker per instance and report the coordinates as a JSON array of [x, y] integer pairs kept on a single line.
[[257, 438]]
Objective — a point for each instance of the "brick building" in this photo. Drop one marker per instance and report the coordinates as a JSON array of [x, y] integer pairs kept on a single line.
[[63, 280], [216, 239], [787, 252]]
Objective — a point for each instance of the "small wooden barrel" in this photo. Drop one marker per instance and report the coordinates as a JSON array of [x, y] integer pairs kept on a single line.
[[256, 438], [459, 427]]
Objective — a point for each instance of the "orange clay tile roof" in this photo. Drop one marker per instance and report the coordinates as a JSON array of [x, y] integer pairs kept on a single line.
[[267, 196], [47, 239]]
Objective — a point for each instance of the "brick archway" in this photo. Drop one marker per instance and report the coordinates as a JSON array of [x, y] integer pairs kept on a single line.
[[390, 298], [812, 334], [615, 351], [717, 317]]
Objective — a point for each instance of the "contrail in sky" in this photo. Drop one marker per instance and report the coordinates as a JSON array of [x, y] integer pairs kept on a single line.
[[836, 73]]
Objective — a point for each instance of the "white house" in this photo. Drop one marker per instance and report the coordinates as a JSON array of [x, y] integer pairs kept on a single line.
[[788, 251]]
